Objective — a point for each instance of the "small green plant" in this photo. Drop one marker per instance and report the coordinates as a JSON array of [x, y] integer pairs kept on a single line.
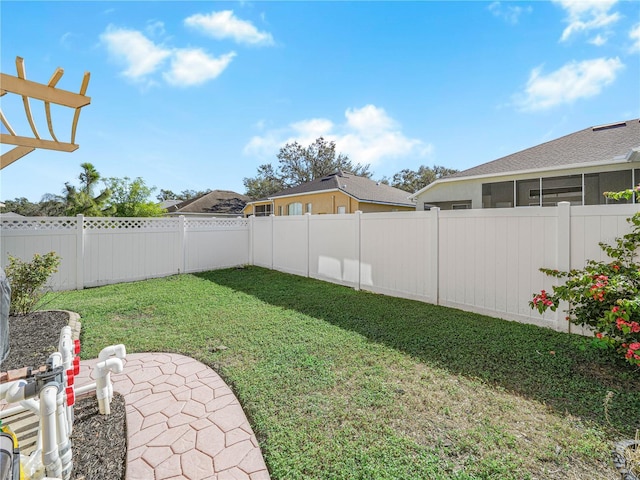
[[604, 296], [27, 280]]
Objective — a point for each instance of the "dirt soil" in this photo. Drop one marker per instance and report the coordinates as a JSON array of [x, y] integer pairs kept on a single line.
[[99, 442]]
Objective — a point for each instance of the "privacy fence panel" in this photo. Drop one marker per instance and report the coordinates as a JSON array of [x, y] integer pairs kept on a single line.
[[211, 244], [130, 249], [262, 241], [593, 224], [334, 248], [489, 260], [291, 244], [399, 254], [23, 237]]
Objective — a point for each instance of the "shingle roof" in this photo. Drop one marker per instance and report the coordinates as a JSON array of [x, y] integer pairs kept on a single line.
[[590, 145], [217, 201], [361, 188]]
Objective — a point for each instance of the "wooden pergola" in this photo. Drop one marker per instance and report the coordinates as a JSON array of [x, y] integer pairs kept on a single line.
[[48, 94]]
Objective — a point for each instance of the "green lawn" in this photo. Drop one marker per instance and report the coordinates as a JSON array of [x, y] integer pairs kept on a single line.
[[339, 383]]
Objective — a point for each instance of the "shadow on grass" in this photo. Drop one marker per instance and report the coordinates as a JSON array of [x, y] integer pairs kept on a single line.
[[563, 371]]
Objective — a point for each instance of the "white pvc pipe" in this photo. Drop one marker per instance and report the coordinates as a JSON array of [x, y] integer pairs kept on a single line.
[[85, 389], [104, 390], [31, 405], [66, 347], [14, 393], [119, 351], [50, 454], [55, 359], [62, 436]]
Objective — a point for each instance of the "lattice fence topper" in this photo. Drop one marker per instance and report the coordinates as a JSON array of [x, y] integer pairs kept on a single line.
[[110, 223], [208, 223], [48, 94], [38, 223]]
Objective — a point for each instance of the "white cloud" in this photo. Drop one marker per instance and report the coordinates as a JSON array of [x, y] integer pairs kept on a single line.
[[142, 58], [192, 66], [509, 13], [139, 54], [155, 27], [598, 40], [585, 15], [571, 82], [224, 24], [634, 35], [368, 135]]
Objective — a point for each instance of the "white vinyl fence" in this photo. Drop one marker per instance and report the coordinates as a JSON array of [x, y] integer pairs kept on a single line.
[[101, 250], [485, 261]]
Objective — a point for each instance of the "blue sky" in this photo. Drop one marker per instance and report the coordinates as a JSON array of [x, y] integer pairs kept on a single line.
[[196, 95]]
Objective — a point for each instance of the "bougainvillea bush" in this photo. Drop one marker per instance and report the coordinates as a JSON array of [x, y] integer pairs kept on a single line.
[[604, 295]]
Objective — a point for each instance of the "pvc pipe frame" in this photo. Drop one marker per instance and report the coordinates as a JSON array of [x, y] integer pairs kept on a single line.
[[104, 387], [50, 452]]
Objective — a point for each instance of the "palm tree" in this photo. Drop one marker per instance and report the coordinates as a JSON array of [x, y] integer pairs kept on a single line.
[[81, 200]]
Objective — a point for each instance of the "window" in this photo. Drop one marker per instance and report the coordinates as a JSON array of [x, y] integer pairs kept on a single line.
[[263, 210], [294, 208], [587, 189], [595, 184], [308, 208], [342, 209], [528, 193], [460, 206], [497, 195], [561, 189]]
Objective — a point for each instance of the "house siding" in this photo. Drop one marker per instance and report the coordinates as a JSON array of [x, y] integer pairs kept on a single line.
[[471, 189]]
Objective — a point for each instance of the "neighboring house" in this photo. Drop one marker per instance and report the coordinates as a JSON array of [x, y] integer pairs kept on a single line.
[[577, 168], [218, 203], [167, 204], [339, 192]]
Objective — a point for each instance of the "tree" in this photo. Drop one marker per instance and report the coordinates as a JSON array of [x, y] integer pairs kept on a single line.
[[298, 164], [264, 184], [130, 198], [81, 200], [166, 195], [51, 205], [21, 206], [412, 181], [182, 196]]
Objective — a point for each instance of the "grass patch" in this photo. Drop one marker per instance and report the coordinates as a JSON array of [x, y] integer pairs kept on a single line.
[[339, 383]]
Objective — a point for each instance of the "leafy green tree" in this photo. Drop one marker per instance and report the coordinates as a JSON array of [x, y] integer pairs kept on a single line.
[[183, 195], [166, 195], [264, 184], [81, 200], [130, 198], [51, 205], [189, 194], [21, 206], [298, 164], [413, 180]]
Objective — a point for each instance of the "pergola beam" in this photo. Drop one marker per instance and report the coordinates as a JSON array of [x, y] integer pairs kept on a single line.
[[37, 143], [20, 86], [14, 154]]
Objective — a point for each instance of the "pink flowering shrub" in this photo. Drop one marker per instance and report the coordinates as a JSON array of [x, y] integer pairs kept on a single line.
[[604, 296]]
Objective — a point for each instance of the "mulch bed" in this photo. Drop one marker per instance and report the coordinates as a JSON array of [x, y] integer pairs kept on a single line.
[[99, 442]]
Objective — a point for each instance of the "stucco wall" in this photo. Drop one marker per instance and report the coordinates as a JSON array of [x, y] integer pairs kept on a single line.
[[374, 207], [328, 203]]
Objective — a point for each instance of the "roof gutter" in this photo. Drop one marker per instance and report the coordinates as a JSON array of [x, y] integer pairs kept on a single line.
[[632, 156]]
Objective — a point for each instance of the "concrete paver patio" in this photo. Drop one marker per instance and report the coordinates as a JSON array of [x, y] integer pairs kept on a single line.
[[183, 421]]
